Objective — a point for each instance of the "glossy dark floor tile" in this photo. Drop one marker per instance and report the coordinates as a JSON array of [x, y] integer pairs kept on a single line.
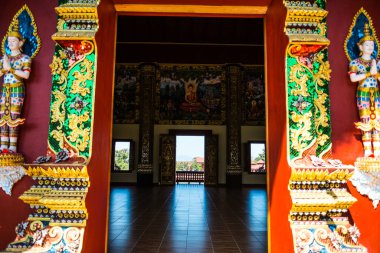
[[187, 218]]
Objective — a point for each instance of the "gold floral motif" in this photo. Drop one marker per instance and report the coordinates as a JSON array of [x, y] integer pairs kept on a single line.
[[322, 29], [322, 138], [58, 109], [324, 72], [58, 136], [298, 75], [321, 78], [79, 84], [322, 119], [57, 67], [79, 134], [60, 24], [301, 134]]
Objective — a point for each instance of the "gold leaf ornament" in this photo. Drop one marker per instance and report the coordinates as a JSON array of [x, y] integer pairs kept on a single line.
[[58, 108], [301, 134], [298, 75], [79, 134], [81, 77]]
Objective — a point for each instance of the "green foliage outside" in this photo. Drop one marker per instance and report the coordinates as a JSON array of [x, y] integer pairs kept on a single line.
[[189, 166], [122, 160], [255, 164], [259, 157]]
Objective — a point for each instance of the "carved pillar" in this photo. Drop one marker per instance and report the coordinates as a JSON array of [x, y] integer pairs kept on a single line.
[[147, 83], [233, 172], [319, 216]]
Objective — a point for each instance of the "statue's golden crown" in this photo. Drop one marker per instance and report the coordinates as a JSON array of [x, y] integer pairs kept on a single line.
[[367, 35], [14, 31]]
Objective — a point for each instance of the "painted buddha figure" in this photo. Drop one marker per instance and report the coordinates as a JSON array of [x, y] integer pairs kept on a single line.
[[365, 71], [15, 67], [191, 103]]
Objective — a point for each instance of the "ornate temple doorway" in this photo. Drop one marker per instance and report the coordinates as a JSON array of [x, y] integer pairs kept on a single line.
[[162, 170], [169, 169]]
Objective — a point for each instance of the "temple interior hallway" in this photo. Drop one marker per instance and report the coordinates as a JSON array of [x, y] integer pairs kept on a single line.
[[187, 218]]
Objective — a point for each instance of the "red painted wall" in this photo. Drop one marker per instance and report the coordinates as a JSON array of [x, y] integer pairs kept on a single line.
[[279, 233], [346, 139], [33, 136], [99, 168]]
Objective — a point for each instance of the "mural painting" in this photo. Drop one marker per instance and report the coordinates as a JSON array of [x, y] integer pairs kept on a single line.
[[254, 95], [126, 94], [191, 95]]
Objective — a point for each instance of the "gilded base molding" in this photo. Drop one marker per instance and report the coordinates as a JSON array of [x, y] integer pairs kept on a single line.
[[39, 236], [59, 213], [326, 237], [319, 217]]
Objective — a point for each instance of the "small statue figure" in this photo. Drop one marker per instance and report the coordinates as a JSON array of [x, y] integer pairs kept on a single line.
[[191, 103], [365, 71], [15, 67]]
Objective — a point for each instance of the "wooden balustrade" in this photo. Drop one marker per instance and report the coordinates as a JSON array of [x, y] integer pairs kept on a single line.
[[190, 176]]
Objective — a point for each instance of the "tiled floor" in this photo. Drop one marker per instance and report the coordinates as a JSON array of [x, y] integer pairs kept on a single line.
[[188, 218]]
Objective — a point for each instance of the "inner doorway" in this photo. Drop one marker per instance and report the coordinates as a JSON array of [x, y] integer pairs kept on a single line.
[[168, 157], [190, 156]]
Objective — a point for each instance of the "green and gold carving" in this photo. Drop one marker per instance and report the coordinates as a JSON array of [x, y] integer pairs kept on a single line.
[[73, 85], [72, 101], [308, 75]]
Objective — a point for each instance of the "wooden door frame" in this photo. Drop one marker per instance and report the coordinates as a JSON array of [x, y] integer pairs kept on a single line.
[[205, 11], [189, 132]]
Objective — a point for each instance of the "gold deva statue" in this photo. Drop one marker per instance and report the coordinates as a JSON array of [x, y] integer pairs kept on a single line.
[[15, 67], [365, 70]]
